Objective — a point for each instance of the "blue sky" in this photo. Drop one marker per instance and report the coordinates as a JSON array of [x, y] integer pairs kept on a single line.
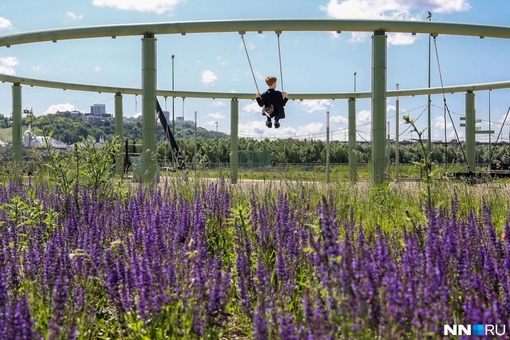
[[312, 61]]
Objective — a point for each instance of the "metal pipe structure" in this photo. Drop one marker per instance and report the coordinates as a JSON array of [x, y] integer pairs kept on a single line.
[[327, 147], [234, 139], [119, 134], [378, 93], [470, 131], [353, 162], [148, 169], [218, 26], [378, 106], [17, 147], [5, 78], [397, 137]]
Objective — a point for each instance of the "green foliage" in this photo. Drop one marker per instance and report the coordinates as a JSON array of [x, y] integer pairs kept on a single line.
[[88, 166], [29, 214], [425, 164]]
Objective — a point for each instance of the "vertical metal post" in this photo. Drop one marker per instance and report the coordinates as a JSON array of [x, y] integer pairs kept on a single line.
[[119, 159], [397, 132], [470, 131], [327, 146], [378, 106], [388, 144], [234, 139], [195, 148], [429, 120], [148, 170], [353, 162], [490, 133], [173, 97], [173, 108], [17, 147], [217, 146]]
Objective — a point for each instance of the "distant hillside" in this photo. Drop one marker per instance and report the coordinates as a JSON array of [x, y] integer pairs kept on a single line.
[[72, 129]]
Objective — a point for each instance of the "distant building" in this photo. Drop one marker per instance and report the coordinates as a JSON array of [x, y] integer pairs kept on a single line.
[[98, 110], [167, 115], [29, 140], [74, 113]]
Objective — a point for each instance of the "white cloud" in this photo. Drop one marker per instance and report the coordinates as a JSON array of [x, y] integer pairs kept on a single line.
[[97, 69], [60, 107], [72, 16], [391, 9], [438, 127], [315, 105], [364, 116], [338, 119], [221, 61], [209, 77], [309, 128], [218, 103], [156, 6], [37, 68], [5, 24], [249, 46], [216, 115], [7, 65], [253, 108], [401, 38], [258, 129]]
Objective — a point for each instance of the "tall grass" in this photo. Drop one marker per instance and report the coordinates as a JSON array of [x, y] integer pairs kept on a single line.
[[200, 258]]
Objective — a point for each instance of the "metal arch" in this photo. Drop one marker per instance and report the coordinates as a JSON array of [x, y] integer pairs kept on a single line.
[[218, 26], [229, 95]]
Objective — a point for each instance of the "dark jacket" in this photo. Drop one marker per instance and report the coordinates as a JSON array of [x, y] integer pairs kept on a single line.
[[274, 97]]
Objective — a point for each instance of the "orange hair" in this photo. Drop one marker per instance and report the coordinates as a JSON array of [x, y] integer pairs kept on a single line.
[[270, 80]]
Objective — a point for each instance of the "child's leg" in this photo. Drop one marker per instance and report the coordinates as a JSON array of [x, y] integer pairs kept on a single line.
[[269, 123]]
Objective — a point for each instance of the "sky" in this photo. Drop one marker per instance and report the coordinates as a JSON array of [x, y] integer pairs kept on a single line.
[[312, 62]]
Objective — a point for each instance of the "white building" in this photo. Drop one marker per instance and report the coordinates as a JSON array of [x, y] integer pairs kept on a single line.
[[98, 110], [29, 140]]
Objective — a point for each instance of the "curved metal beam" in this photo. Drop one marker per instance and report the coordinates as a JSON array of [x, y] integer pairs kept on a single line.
[[230, 95], [217, 26]]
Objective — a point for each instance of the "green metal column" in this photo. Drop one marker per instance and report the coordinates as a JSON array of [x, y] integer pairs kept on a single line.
[[353, 162], [119, 159], [17, 148], [234, 139], [327, 147], [148, 170], [378, 106], [397, 132], [470, 131]]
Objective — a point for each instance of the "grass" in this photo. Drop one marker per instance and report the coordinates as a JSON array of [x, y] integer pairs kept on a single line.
[[249, 224], [6, 135], [391, 205]]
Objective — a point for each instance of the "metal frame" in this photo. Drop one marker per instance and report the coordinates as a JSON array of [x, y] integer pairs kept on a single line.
[[148, 31]]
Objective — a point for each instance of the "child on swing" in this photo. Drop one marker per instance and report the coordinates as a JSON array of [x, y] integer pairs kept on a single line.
[[273, 102]]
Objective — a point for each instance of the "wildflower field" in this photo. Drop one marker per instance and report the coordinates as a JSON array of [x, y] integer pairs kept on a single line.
[[207, 259]]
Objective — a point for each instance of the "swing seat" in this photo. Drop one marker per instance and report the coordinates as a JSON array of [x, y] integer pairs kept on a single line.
[[268, 110]]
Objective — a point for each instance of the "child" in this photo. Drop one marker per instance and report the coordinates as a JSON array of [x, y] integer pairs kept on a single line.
[[273, 102]]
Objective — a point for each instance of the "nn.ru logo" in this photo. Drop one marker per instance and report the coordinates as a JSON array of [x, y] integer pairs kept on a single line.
[[476, 330]]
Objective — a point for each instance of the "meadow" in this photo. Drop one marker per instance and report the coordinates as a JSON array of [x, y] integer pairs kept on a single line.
[[85, 255], [207, 259]]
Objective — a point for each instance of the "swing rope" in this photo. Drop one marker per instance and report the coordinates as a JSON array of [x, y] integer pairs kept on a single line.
[[280, 58], [445, 104], [499, 135], [249, 62]]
